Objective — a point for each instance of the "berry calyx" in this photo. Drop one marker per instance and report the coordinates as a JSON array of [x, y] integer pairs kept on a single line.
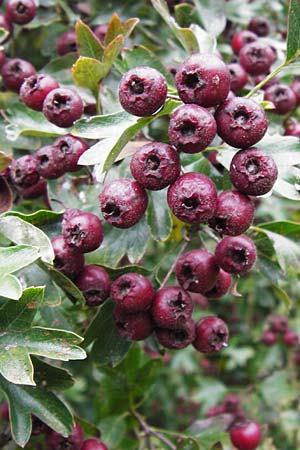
[[246, 436], [132, 293], [83, 232], [257, 57], [94, 283], [236, 254], [70, 149], [67, 260], [172, 307], [211, 335], [35, 89], [62, 106]]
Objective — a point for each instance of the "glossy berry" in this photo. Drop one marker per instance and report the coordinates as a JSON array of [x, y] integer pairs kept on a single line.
[[94, 283], [242, 38], [172, 307], [21, 11], [295, 86], [260, 26], [257, 57], [93, 444], [203, 79], [49, 164], [268, 338], [246, 436], [34, 90], [132, 293], [66, 43], [100, 31], [278, 323], [155, 165], [177, 339], [211, 335], [282, 97], [24, 171], [142, 91], [123, 202], [234, 213], [70, 149], [134, 327], [192, 128], [238, 76], [197, 271], [58, 442], [236, 254], [83, 232], [241, 122], [253, 172], [67, 260], [221, 286], [7, 25], [63, 106], [193, 198], [14, 71], [293, 129], [290, 338], [34, 191]]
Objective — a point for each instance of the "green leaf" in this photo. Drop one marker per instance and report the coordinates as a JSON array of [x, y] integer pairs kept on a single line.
[[10, 287], [37, 218], [188, 444], [51, 377], [158, 215], [212, 15], [21, 232], [87, 42], [16, 257], [88, 72], [116, 27], [25, 401], [113, 429], [293, 38], [112, 51], [277, 390], [283, 227]]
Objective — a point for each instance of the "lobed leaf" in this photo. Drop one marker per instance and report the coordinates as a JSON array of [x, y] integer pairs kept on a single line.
[[87, 42]]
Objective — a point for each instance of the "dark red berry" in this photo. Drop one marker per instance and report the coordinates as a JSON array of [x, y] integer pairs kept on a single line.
[[197, 271], [34, 191], [290, 338], [67, 260], [296, 359], [34, 90], [241, 122], [63, 106], [177, 339], [295, 86], [238, 76], [278, 323], [2, 58], [215, 411], [100, 31], [7, 25], [123, 202], [253, 172], [260, 26], [69, 214], [172, 307], [221, 287], [236, 254], [203, 79], [258, 78], [211, 335], [246, 435], [268, 338], [48, 163], [192, 128], [234, 213], [242, 38], [293, 129], [231, 403], [70, 149], [142, 91], [38, 427], [94, 283], [14, 71], [83, 232], [66, 43], [132, 293], [4, 411], [193, 198], [20, 11], [93, 444], [257, 57], [58, 442], [155, 165], [282, 97], [24, 171], [134, 327]]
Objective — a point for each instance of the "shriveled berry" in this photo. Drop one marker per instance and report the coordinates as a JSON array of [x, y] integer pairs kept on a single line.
[[222, 285], [238, 76], [34, 90], [14, 71], [21, 11], [67, 260], [34, 191], [236, 254], [66, 43], [177, 339], [155, 165], [211, 335], [203, 79], [282, 97], [241, 122], [242, 38], [295, 86], [193, 198], [7, 25], [278, 323], [58, 442], [293, 129], [62, 106], [24, 171], [234, 213], [100, 31], [290, 338], [260, 26], [192, 128], [123, 202], [197, 271], [268, 338], [253, 172], [142, 91], [132, 293], [93, 444], [134, 327], [83, 232], [94, 283], [48, 163], [246, 435], [172, 307], [257, 57], [70, 149]]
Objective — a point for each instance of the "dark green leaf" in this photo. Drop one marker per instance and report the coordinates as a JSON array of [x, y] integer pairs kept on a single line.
[[51, 377], [113, 429], [277, 390], [283, 227], [38, 218], [293, 40], [158, 215], [87, 42]]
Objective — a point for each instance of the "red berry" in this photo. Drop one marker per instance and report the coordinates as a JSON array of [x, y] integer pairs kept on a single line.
[[58, 442], [293, 129], [14, 71], [70, 149], [34, 191], [295, 86], [260, 26], [238, 76], [24, 171], [49, 163], [242, 38], [222, 285], [258, 78], [278, 323], [62, 106], [34, 90], [211, 335], [257, 57], [246, 436], [172, 307], [134, 327], [177, 339], [236, 254], [66, 43], [4, 411], [94, 283], [282, 97], [215, 411], [231, 403], [132, 292], [268, 338], [67, 260], [2, 58], [21, 11], [290, 338], [93, 444], [83, 232]]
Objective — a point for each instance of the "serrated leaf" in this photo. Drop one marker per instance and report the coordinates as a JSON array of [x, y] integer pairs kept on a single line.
[[10, 287], [88, 72], [212, 15], [293, 38], [6, 196], [112, 51], [87, 42], [158, 215], [116, 27], [16, 257], [38, 218], [51, 377]]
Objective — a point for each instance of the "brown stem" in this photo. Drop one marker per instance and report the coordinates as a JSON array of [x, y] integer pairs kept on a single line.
[[150, 431], [170, 271]]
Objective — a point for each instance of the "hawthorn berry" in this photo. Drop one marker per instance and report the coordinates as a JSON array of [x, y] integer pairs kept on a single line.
[[282, 97], [197, 271], [290, 338], [172, 307], [123, 202], [295, 86], [155, 165], [34, 90], [83, 232], [293, 129], [34, 191], [242, 38], [211, 335], [177, 339], [203, 79], [192, 128], [193, 198], [257, 57], [58, 442], [66, 43], [142, 91], [24, 171], [132, 293], [236, 254], [241, 122], [258, 78], [231, 403], [221, 286], [48, 163], [253, 172], [62, 106], [70, 149], [20, 11], [14, 71], [238, 76], [94, 283], [93, 444], [268, 338], [246, 435], [260, 26], [278, 323], [67, 260], [2, 58], [134, 327]]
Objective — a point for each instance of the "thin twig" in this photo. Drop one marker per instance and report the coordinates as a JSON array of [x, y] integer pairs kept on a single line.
[[210, 234], [173, 97], [181, 251], [150, 431]]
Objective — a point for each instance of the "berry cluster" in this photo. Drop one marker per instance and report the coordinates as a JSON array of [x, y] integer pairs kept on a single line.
[[278, 327]]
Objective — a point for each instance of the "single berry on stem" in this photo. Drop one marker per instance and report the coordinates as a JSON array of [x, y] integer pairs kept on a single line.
[[66, 43], [278, 323], [49, 164], [83, 232], [35, 89], [238, 76], [132, 293], [62, 106], [290, 338], [246, 435], [70, 149], [236, 254], [242, 38], [14, 71], [94, 283], [177, 339], [268, 338], [211, 335], [221, 286], [21, 11], [67, 260], [257, 57], [134, 327], [282, 97], [260, 26], [172, 307], [24, 171]]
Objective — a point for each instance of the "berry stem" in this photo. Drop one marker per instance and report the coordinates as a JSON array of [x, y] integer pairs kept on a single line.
[[173, 97], [151, 431], [170, 271], [268, 78], [210, 234]]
